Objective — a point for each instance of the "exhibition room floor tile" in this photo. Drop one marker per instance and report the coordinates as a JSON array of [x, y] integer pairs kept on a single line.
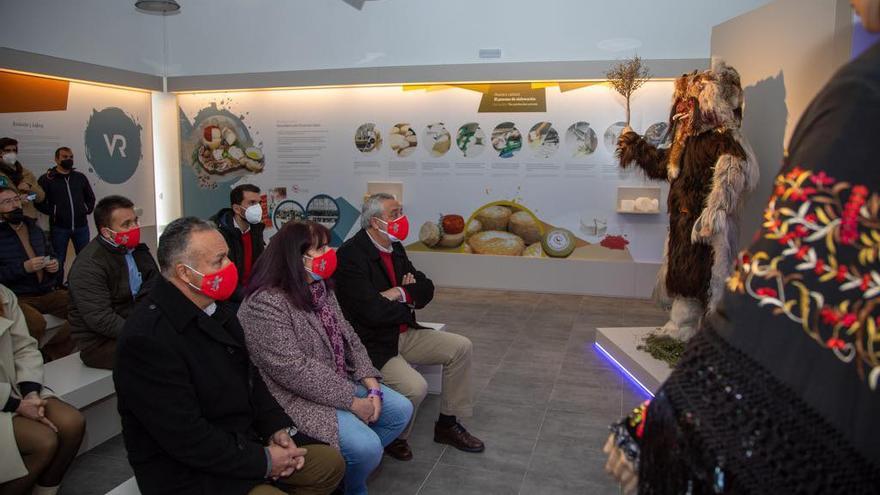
[[544, 401]]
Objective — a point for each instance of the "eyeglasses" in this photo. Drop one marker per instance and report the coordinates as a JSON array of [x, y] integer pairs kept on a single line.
[[11, 201]]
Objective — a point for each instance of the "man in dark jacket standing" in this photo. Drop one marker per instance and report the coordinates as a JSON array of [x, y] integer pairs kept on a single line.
[[242, 228], [28, 269], [69, 201], [196, 415], [107, 278], [378, 288]]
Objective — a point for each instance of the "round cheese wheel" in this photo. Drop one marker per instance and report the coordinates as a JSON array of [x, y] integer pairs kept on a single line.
[[451, 240], [494, 217], [524, 225], [429, 234], [558, 243], [497, 242]]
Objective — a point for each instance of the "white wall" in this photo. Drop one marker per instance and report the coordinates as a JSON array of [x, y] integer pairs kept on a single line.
[[785, 52], [235, 36], [103, 32]]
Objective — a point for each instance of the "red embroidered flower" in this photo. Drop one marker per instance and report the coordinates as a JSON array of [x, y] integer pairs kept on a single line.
[[829, 316], [802, 252], [860, 190], [746, 259], [794, 173], [835, 343], [849, 320], [767, 292], [821, 179], [820, 267], [801, 194], [810, 217], [841, 273], [787, 237], [866, 282], [801, 231]]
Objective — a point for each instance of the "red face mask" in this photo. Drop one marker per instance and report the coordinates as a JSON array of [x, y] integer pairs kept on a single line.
[[128, 238], [219, 285], [322, 267], [397, 229]]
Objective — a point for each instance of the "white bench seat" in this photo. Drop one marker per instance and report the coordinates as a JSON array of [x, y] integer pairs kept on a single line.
[[91, 391]]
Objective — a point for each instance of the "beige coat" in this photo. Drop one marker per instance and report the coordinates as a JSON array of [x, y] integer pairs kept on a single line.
[[20, 361]]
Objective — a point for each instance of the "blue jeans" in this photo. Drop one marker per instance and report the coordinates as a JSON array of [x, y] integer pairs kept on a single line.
[[362, 445], [60, 239]]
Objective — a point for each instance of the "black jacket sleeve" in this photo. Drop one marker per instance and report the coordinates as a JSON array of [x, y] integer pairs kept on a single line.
[[90, 292], [361, 299], [154, 384], [422, 291], [270, 416], [88, 196]]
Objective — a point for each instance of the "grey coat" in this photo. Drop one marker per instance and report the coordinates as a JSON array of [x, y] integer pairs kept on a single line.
[[295, 358]]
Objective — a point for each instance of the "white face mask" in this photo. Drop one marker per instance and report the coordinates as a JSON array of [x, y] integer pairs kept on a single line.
[[10, 158], [254, 213]]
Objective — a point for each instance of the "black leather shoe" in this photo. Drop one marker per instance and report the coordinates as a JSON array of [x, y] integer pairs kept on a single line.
[[458, 437], [399, 450]]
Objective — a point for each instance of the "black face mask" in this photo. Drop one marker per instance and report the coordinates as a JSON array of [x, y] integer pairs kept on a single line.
[[14, 216], [67, 164]]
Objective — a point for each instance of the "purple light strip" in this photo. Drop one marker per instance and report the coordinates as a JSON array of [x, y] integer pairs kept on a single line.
[[625, 371]]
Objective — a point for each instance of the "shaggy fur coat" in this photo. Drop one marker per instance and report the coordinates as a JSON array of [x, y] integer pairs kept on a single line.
[[710, 168]]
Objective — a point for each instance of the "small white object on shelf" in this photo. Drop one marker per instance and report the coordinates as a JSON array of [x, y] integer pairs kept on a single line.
[[638, 200], [627, 205]]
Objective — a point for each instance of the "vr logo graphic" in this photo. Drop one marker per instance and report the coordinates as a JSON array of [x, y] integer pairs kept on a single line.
[[111, 145]]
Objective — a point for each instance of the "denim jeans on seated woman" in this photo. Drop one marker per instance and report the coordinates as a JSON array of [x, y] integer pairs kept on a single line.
[[362, 445]]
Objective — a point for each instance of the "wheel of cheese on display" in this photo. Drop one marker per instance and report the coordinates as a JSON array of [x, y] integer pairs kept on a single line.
[[558, 243]]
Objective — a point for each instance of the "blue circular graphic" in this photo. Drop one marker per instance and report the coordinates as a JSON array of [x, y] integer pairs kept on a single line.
[[113, 144]]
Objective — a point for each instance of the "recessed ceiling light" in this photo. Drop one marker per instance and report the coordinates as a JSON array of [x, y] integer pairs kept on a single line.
[[157, 6], [619, 44]]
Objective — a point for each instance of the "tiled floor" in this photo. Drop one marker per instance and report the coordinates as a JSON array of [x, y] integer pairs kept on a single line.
[[544, 400]]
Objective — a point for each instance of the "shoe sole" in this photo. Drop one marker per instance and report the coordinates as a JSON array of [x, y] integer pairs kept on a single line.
[[463, 449]]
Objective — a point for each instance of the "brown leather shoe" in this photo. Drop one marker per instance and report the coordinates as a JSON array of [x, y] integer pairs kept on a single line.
[[458, 437], [399, 450]]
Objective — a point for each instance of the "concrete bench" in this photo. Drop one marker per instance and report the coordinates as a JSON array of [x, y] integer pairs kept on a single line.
[[91, 391], [433, 373], [130, 487], [53, 324]]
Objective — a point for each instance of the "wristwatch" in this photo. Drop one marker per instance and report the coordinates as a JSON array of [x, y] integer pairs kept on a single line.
[[291, 431]]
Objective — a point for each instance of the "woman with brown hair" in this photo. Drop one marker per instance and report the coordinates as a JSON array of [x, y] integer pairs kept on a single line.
[[311, 359], [39, 434]]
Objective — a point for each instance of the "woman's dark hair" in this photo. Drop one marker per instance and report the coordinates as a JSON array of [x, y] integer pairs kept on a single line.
[[281, 266]]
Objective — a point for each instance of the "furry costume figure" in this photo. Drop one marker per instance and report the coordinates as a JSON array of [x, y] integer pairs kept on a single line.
[[710, 168]]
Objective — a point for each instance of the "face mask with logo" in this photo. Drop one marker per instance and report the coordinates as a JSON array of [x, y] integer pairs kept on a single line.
[[219, 285], [67, 164], [253, 214], [14, 216], [128, 238], [397, 229], [10, 158], [322, 267]]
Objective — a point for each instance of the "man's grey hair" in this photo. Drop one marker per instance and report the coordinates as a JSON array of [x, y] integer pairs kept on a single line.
[[174, 242], [373, 208]]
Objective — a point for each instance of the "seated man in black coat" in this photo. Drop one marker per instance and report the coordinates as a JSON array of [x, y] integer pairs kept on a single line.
[[378, 288], [196, 415]]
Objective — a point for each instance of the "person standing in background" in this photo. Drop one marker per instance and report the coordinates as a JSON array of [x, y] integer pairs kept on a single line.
[[242, 228], [69, 201], [19, 178]]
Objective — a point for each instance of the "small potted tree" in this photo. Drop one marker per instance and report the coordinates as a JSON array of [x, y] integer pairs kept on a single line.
[[626, 77]]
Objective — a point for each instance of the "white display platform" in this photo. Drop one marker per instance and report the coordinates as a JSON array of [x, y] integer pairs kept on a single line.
[[561, 276], [619, 344]]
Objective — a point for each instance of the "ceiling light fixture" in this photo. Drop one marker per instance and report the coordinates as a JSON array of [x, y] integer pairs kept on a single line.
[[157, 6]]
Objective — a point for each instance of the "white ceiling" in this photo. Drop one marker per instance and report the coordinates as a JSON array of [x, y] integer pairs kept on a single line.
[[232, 36]]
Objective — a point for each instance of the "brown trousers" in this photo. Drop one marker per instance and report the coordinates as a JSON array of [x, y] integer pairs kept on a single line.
[[320, 475], [46, 454], [102, 355], [55, 304]]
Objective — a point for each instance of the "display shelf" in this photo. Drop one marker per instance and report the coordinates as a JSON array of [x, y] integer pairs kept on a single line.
[[628, 195], [620, 345]]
